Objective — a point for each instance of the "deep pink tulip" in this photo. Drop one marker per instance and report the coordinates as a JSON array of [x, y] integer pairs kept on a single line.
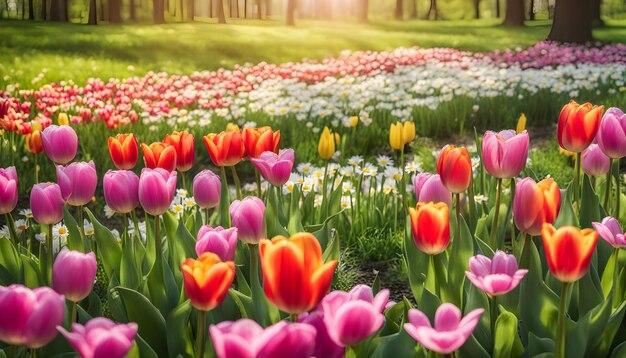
[[46, 203], [156, 190], [247, 216], [60, 143], [505, 153], [428, 187], [30, 317], [324, 345], [101, 338], [611, 135], [219, 241], [450, 331], [246, 339], [8, 190], [595, 162], [495, 276], [78, 182], [610, 230], [275, 168], [121, 190], [207, 188], [73, 274]]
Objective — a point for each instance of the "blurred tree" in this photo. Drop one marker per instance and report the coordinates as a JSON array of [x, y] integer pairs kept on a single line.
[[259, 14], [132, 10], [268, 8], [399, 14], [31, 10], [413, 9], [572, 21], [221, 17], [291, 12], [93, 16], [58, 10], [190, 10], [432, 9], [115, 11], [514, 14], [477, 9], [498, 9], [362, 10], [531, 10], [596, 19], [158, 11], [43, 9]]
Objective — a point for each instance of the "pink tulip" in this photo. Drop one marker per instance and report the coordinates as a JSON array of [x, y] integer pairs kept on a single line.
[[46, 203], [450, 331], [275, 168], [611, 136], [495, 277], [60, 143], [505, 153], [428, 187], [247, 216], [121, 190], [206, 189], [324, 345], [29, 317], [156, 190], [73, 274], [219, 241], [246, 339], [101, 338], [595, 162], [8, 190], [78, 182], [610, 230]]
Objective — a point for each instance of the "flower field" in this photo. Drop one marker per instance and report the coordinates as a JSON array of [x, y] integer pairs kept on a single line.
[[219, 214]]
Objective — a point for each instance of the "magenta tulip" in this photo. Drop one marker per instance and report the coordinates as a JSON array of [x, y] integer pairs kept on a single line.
[[495, 276], [246, 339], [156, 190], [219, 241], [8, 190], [505, 153], [595, 162], [60, 143], [101, 338], [78, 182], [30, 317], [428, 187], [46, 203], [450, 331], [207, 188], [324, 345], [121, 190], [275, 168], [73, 274], [611, 135], [610, 230], [247, 216]]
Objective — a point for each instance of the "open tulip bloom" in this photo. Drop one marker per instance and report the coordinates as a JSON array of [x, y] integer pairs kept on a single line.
[[101, 338], [495, 276]]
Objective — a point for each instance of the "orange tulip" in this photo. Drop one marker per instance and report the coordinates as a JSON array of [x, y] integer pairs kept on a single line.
[[124, 151], [259, 140], [568, 251], [225, 148], [207, 280], [578, 125], [34, 144], [454, 167], [184, 145], [430, 224], [294, 277], [535, 204], [159, 155]]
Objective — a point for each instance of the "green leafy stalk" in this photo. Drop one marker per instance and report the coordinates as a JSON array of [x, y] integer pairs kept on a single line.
[[496, 214], [577, 180], [200, 334], [560, 328], [237, 182]]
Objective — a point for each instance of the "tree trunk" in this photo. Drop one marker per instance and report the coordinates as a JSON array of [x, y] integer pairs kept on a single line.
[[23, 9], [132, 10], [191, 8], [514, 14], [432, 9], [158, 12], [596, 19], [399, 14], [93, 16], [102, 13], [210, 8], [413, 9], [182, 13], [531, 10], [268, 8], [115, 11], [291, 12], [259, 10], [58, 10], [477, 9], [498, 9], [221, 17], [31, 10], [363, 10], [572, 22]]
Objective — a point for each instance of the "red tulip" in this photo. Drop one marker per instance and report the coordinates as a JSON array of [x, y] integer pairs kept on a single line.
[[124, 151], [568, 251], [226, 148], [578, 125], [184, 145], [454, 167], [259, 140], [159, 155]]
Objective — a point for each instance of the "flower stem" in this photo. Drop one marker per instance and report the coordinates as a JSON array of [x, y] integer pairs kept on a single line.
[[615, 275], [81, 226], [618, 191], [435, 280], [184, 180], [324, 184], [293, 317], [50, 258], [493, 318], [208, 215], [496, 214], [157, 239], [607, 193], [237, 183], [577, 180], [12, 231], [200, 334], [458, 216], [74, 313], [257, 178], [560, 328], [36, 170], [403, 184], [33, 353]]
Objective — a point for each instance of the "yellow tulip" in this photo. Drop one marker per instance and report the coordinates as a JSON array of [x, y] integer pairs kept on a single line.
[[230, 127], [396, 136], [408, 133], [354, 121], [521, 124], [63, 120], [337, 138], [326, 147]]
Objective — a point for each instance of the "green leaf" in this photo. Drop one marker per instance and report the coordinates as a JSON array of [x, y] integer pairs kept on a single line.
[[478, 299], [109, 251], [472, 349], [295, 220], [179, 337], [332, 251], [399, 344], [567, 216], [224, 200], [10, 263], [243, 302], [416, 262], [324, 232], [458, 262], [273, 226], [130, 272], [537, 345], [602, 333], [32, 279], [507, 341], [589, 205], [619, 351], [74, 240]]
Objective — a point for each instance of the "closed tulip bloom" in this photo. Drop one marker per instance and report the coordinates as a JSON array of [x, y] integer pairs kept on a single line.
[[521, 124], [124, 151], [8, 189], [247, 339], [159, 155], [60, 143], [505, 153], [78, 182], [611, 135], [260, 140], [450, 331], [101, 338], [294, 277], [247, 216], [430, 225], [535, 204], [578, 125], [326, 146], [121, 190], [428, 187], [207, 188], [610, 230], [34, 143], [226, 148], [185, 149], [495, 276], [454, 166], [207, 280], [595, 163], [568, 251], [396, 136], [408, 131], [219, 241], [73, 274], [30, 317], [156, 190], [275, 168], [46, 203], [324, 345]]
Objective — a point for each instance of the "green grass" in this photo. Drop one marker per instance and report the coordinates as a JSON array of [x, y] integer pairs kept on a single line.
[[77, 52]]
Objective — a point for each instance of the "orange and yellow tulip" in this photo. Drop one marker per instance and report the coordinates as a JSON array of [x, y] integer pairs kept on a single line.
[[184, 145], [159, 155], [454, 167], [124, 151], [568, 251], [578, 125], [535, 204], [226, 148], [207, 280], [259, 140], [34, 144], [430, 224]]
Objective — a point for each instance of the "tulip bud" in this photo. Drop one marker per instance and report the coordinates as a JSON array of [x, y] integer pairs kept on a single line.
[[73, 274], [505, 153], [594, 162], [124, 151], [78, 182], [156, 190], [568, 251], [121, 190], [219, 241], [207, 280], [183, 143], [60, 143], [247, 216], [521, 124], [430, 225], [63, 120], [611, 135], [159, 155], [326, 146], [206, 189], [46, 203], [353, 121], [454, 166], [34, 143], [535, 204], [260, 140], [396, 139], [275, 168], [8, 190], [226, 148], [408, 131]]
